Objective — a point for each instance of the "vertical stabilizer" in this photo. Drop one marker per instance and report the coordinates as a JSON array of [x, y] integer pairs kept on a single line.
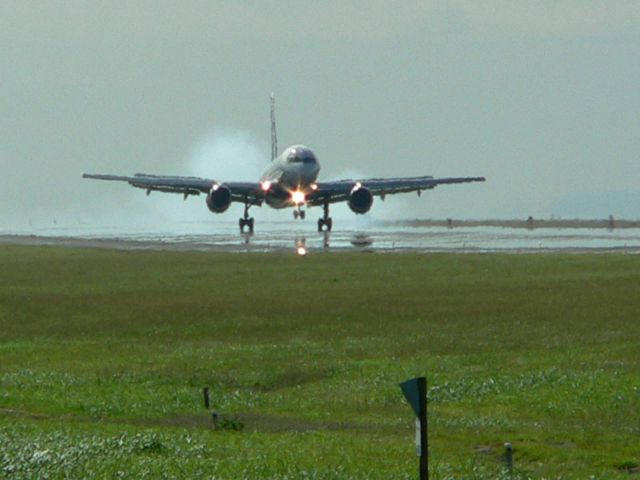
[[274, 137]]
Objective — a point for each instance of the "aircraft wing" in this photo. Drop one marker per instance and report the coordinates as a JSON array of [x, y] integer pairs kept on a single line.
[[240, 191], [339, 190]]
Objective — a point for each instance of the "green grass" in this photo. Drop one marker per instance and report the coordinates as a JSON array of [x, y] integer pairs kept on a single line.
[[103, 356]]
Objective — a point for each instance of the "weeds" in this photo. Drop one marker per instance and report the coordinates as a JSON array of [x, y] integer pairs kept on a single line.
[[103, 356]]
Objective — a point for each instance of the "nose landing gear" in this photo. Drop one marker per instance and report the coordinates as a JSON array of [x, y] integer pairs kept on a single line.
[[299, 213], [325, 223]]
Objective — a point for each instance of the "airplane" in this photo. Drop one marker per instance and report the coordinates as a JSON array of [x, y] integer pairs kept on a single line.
[[290, 181]]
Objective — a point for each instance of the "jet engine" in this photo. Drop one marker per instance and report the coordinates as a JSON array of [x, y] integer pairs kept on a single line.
[[219, 198], [360, 199]]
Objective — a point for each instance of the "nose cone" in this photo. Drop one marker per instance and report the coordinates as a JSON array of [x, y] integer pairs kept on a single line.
[[304, 165]]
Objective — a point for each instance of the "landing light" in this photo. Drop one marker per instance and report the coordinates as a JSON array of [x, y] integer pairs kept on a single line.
[[265, 186], [314, 187], [297, 197], [301, 251]]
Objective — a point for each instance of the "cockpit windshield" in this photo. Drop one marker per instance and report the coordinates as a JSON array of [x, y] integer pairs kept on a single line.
[[301, 155]]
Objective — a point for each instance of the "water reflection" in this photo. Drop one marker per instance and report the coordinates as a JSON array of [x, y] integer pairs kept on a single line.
[[301, 246], [361, 240], [246, 236], [326, 239]]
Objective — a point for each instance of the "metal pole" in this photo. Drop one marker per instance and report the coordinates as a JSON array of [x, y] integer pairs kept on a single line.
[[424, 439]]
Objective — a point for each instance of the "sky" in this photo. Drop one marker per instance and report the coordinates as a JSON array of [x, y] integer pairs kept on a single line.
[[541, 97]]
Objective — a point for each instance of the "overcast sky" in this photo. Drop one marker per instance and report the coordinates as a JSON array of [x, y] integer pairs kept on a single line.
[[541, 97]]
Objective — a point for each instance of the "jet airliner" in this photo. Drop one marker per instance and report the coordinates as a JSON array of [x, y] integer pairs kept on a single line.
[[290, 181]]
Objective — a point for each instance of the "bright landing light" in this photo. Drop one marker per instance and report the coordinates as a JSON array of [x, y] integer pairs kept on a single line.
[[302, 251], [298, 197]]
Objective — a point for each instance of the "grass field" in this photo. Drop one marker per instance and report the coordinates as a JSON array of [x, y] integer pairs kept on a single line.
[[103, 356]]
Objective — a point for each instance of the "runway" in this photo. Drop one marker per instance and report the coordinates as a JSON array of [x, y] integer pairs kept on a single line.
[[369, 236]]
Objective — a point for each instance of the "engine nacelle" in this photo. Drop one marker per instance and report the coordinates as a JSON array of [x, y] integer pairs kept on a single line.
[[219, 198], [360, 199]]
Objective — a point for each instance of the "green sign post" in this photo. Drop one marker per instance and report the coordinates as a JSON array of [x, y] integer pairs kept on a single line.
[[415, 391]]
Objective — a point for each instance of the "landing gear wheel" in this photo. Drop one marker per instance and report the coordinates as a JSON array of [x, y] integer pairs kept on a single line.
[[302, 214], [295, 214], [325, 224], [246, 222]]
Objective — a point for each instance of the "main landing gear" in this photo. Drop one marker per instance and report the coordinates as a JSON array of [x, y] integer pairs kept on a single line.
[[325, 223], [299, 213], [246, 221]]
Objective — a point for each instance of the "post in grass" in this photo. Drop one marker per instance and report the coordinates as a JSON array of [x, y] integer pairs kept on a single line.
[[205, 392], [508, 458], [415, 391]]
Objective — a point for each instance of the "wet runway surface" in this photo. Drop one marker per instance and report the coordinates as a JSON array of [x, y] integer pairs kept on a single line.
[[293, 236]]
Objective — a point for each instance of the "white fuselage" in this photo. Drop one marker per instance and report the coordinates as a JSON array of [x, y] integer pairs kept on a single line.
[[290, 176]]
